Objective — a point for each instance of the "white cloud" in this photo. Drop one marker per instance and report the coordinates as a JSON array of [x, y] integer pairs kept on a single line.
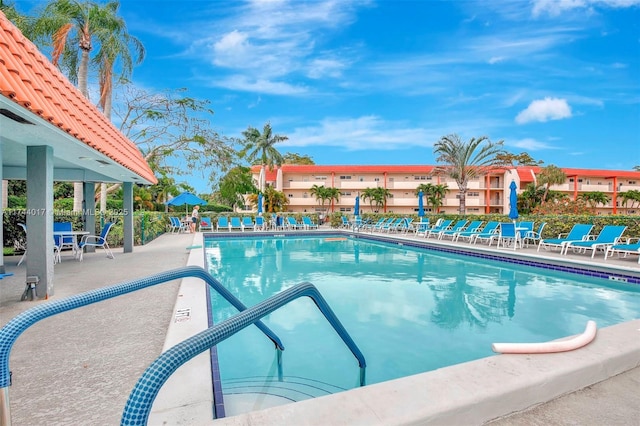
[[529, 144], [496, 59], [362, 133], [544, 110], [265, 86], [557, 7]]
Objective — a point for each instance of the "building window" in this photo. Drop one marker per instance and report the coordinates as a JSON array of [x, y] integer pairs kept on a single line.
[[390, 179], [376, 179], [345, 177], [571, 180], [345, 194], [632, 182], [473, 194], [290, 195], [321, 178], [420, 178], [361, 178]]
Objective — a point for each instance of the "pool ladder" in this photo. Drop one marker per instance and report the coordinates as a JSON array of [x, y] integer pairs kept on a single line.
[[138, 407]]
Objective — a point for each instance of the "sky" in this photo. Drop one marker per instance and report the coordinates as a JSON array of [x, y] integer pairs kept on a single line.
[[379, 82]]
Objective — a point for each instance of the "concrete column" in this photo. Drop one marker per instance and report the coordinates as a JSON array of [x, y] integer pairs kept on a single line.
[[40, 218], [2, 207], [127, 216], [89, 211]]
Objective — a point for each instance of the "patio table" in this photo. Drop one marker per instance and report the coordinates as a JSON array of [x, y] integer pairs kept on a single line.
[[74, 236]]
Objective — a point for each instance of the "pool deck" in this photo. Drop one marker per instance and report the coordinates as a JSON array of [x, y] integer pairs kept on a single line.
[[79, 367]]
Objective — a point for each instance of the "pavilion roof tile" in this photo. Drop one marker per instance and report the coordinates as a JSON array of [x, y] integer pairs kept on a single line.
[[30, 80]]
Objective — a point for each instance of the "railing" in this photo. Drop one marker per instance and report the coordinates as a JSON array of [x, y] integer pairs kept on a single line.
[[14, 328], [138, 407]]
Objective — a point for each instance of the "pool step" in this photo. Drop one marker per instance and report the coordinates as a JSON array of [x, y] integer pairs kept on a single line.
[[291, 389]]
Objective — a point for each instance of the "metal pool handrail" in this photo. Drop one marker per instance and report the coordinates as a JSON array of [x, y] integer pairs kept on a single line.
[[138, 407], [16, 326]]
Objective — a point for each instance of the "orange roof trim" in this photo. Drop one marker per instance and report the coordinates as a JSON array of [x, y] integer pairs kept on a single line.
[[29, 79]]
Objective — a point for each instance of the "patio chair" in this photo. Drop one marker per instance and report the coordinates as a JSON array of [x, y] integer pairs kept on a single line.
[[260, 224], [609, 236], [579, 232], [345, 222], [509, 236], [534, 236], [64, 242], [391, 226], [97, 241], [405, 225], [223, 223], [177, 225], [247, 223], [205, 224], [489, 233], [308, 224], [235, 223], [470, 233], [293, 224], [453, 233], [445, 224], [421, 226], [381, 225], [623, 250]]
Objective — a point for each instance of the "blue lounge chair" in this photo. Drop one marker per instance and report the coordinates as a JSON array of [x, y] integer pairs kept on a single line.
[[470, 234], [453, 233], [391, 226], [456, 227], [345, 222], [609, 236], [438, 228], [293, 224], [235, 223], [509, 236], [623, 250], [205, 224], [223, 223], [489, 233], [579, 232], [308, 224], [97, 241], [371, 226], [260, 224], [247, 223], [385, 223]]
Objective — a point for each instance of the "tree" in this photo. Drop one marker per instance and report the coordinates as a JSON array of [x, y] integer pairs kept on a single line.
[[333, 194], [274, 201], [466, 161], [369, 194], [522, 159], [636, 168], [260, 147], [548, 176], [377, 196], [235, 184], [172, 128], [631, 195], [594, 198], [293, 158], [321, 193]]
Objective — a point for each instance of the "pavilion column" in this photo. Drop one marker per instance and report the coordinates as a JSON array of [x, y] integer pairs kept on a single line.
[[89, 211], [2, 207], [39, 216], [127, 216]]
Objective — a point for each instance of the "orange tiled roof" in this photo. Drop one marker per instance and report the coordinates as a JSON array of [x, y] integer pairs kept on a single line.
[[30, 80]]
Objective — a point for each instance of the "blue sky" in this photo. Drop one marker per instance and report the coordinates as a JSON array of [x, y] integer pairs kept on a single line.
[[379, 82]]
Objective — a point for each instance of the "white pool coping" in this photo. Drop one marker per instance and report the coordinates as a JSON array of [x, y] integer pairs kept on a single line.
[[470, 393]]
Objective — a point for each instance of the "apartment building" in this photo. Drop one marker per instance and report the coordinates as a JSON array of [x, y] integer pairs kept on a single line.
[[487, 194]]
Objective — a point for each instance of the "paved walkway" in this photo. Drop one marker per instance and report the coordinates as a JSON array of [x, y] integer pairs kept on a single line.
[[78, 368]]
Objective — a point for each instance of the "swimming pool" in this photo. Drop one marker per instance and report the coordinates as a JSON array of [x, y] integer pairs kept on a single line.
[[409, 310]]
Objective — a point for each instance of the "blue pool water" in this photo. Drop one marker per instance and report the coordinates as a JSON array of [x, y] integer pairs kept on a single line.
[[409, 310]]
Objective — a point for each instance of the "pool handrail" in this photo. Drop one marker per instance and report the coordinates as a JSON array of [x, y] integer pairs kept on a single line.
[[17, 325], [141, 398]]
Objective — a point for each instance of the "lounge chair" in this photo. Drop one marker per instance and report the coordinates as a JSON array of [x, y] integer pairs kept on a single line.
[[623, 250], [534, 236], [383, 224], [177, 225], [421, 226], [453, 233], [235, 223], [489, 233], [97, 241], [260, 224], [345, 222], [579, 232], [405, 225], [470, 234], [62, 242], [247, 223], [438, 228], [609, 236], [308, 224], [223, 223], [293, 224], [205, 224], [456, 227], [509, 236]]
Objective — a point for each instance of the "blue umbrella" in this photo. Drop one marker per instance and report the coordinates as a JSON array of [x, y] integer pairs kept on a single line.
[[186, 198], [260, 204], [513, 201], [356, 208], [420, 204]]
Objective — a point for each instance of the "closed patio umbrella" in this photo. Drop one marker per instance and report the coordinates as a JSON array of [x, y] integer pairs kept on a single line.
[[420, 204], [513, 201], [260, 204], [356, 208]]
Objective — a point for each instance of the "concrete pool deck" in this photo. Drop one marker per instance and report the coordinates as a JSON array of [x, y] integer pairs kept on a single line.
[[79, 367]]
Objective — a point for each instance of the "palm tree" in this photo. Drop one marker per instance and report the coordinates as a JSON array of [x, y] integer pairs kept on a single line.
[[631, 195], [548, 176], [368, 194], [321, 194], [594, 198], [333, 194], [274, 201], [260, 147], [462, 163]]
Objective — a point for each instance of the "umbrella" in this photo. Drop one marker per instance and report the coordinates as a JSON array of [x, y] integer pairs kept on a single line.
[[513, 201], [260, 204], [356, 208], [420, 204], [186, 198]]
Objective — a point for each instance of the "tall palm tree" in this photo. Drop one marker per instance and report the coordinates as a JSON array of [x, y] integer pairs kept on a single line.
[[466, 161], [548, 176], [368, 194], [594, 198], [631, 195], [333, 194], [274, 201], [321, 194], [260, 147]]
